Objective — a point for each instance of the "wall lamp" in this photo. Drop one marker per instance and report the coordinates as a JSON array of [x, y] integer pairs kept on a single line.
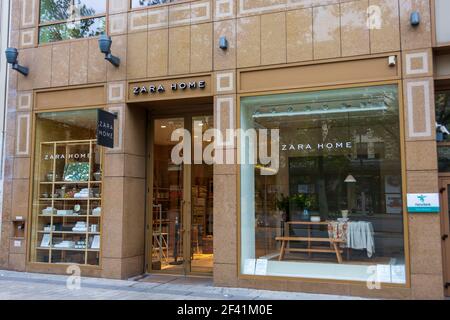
[[11, 58], [415, 18], [104, 42], [223, 43]]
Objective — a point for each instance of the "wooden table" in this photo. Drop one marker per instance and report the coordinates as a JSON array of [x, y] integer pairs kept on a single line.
[[334, 243]]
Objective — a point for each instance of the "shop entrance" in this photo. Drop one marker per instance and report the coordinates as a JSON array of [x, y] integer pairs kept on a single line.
[[445, 226], [180, 207]]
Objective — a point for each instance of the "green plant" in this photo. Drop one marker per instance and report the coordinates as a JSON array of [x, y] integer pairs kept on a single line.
[[304, 201]]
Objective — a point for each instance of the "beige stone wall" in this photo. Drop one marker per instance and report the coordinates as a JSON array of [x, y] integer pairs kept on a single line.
[[182, 39]]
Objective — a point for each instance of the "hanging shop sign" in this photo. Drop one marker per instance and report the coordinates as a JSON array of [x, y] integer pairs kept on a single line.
[[169, 89], [423, 203], [105, 128]]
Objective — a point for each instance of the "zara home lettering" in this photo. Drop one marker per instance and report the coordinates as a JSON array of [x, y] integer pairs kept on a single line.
[[318, 146], [177, 86], [76, 156]]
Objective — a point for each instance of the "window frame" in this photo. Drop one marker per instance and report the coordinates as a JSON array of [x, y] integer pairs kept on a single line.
[[405, 216], [59, 22]]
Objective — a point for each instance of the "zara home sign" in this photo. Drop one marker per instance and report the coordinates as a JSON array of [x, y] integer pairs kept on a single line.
[[160, 88], [166, 89]]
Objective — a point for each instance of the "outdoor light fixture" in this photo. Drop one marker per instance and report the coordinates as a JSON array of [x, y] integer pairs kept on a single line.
[[415, 18], [11, 58], [104, 42], [350, 179], [223, 43]]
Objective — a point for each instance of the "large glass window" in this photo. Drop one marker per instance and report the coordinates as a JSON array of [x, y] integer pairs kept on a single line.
[[443, 127], [66, 213], [333, 207], [71, 19]]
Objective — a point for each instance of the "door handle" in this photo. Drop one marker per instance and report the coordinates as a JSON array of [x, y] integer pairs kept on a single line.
[[444, 237]]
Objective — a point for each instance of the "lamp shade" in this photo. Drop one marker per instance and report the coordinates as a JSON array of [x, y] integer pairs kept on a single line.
[[11, 55], [350, 179], [104, 43]]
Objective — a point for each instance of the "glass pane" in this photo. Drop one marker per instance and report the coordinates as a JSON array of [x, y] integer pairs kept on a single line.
[[202, 204], [86, 8], [147, 3], [442, 22], [443, 115], [54, 32], [80, 29], [336, 189], [167, 242], [55, 10], [67, 187]]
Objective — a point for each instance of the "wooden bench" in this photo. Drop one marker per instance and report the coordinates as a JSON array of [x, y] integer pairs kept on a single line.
[[334, 244]]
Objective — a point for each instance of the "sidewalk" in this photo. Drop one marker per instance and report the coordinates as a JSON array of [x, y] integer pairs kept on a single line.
[[24, 286]]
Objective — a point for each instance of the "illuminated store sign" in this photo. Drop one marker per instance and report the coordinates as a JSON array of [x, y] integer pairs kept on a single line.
[[176, 86], [318, 146]]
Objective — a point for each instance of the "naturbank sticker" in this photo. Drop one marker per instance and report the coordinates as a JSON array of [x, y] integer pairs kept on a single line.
[[423, 203]]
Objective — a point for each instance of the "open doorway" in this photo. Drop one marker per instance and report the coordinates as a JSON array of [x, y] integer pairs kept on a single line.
[[180, 214]]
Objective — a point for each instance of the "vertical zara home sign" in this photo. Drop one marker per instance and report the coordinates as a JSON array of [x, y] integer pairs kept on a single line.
[[423, 203], [105, 128]]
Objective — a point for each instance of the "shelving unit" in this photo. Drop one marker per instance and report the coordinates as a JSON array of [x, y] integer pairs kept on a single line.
[[68, 194]]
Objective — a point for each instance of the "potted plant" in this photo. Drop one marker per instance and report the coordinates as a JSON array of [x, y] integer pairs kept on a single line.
[[304, 202]]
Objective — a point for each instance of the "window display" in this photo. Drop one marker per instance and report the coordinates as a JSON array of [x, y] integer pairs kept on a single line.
[[333, 209], [67, 190]]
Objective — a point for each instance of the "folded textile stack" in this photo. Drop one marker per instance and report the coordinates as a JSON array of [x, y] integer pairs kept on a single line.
[[65, 244], [64, 212], [80, 226], [48, 211], [84, 193], [97, 211]]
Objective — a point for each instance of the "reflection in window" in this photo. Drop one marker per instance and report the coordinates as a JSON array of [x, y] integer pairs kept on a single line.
[[443, 114], [71, 19], [333, 209], [148, 3]]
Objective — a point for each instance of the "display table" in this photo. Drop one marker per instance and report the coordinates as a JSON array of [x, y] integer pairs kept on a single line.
[[334, 243]]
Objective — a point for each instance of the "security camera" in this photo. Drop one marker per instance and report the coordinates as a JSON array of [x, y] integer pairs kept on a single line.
[[392, 61]]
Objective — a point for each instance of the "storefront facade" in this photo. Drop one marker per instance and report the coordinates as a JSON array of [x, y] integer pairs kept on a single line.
[[347, 86]]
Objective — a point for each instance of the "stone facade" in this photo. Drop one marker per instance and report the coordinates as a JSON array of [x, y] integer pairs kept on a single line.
[[182, 38]]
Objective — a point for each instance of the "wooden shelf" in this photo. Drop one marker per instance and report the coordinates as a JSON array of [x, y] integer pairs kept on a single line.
[[68, 249], [56, 164], [70, 199], [70, 232]]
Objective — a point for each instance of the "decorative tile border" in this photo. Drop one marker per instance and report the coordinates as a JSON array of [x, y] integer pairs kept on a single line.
[[28, 13], [27, 38], [23, 134], [24, 101], [158, 18], [409, 57], [119, 109], [116, 6], [228, 103], [200, 12], [228, 79], [116, 92], [256, 9], [118, 23], [175, 10], [224, 9], [135, 24], [410, 87]]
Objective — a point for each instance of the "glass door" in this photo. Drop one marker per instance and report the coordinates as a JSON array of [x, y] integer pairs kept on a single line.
[[167, 225], [181, 235], [445, 218]]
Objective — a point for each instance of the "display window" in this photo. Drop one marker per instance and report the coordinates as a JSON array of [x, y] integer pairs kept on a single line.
[[443, 129], [333, 208], [67, 189]]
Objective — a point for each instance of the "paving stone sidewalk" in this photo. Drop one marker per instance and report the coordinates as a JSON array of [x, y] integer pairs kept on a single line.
[[25, 286]]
